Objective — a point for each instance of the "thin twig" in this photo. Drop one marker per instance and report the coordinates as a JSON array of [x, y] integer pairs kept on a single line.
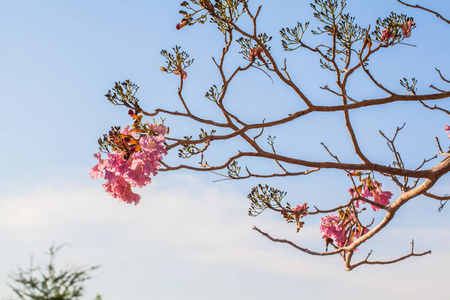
[[442, 77], [440, 149], [426, 9], [296, 246], [435, 107], [436, 89], [433, 196]]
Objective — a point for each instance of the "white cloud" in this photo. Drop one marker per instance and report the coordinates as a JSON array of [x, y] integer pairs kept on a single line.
[[186, 230]]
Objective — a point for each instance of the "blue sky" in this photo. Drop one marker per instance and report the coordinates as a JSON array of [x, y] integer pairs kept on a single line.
[[191, 238]]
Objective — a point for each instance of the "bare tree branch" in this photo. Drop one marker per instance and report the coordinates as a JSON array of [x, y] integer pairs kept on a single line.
[[296, 246], [426, 9], [367, 262], [435, 107]]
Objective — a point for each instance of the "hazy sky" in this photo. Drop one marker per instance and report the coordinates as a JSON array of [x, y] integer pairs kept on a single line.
[[190, 237]]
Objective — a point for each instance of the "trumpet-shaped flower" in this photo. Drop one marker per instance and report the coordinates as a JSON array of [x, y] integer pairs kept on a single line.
[[183, 23], [97, 170], [122, 190], [300, 211]]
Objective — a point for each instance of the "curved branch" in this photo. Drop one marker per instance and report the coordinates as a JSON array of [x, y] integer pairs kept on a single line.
[[442, 77], [268, 55], [381, 206], [306, 250], [350, 130], [394, 207], [286, 174], [367, 262], [440, 149], [433, 196], [320, 211], [209, 168], [435, 107], [191, 116], [426, 9]]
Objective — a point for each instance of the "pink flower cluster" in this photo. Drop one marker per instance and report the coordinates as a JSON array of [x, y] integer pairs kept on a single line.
[[133, 167], [371, 189], [387, 34], [333, 230], [341, 231], [447, 128]]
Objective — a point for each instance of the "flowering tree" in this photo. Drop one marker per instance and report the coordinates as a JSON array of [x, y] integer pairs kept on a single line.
[[344, 49]]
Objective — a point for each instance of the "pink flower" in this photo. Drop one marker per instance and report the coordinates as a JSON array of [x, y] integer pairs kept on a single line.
[[97, 170], [122, 190], [184, 74], [447, 128], [372, 191], [132, 167], [365, 192], [341, 232], [332, 230], [157, 128], [300, 211], [386, 34], [406, 28], [183, 23], [302, 208], [381, 198]]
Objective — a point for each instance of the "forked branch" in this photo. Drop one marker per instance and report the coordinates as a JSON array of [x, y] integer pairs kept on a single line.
[[367, 262]]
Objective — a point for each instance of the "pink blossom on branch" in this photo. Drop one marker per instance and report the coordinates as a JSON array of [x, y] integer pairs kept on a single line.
[[386, 35], [302, 208], [122, 190], [184, 74], [132, 167], [157, 128], [300, 211], [406, 28], [183, 23], [342, 231], [97, 170], [379, 196], [333, 230], [382, 198], [371, 189]]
